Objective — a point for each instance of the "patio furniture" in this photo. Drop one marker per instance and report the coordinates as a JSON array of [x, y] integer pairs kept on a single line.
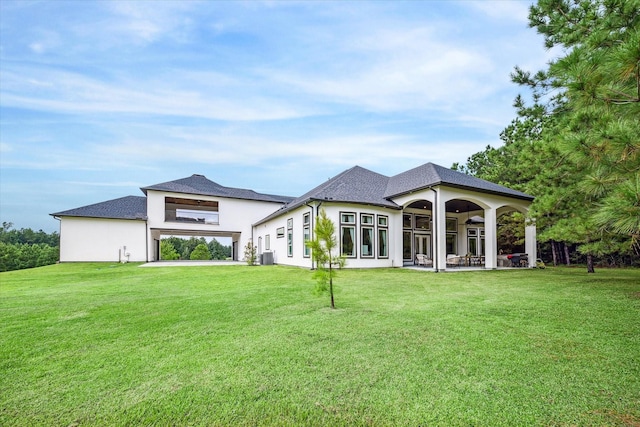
[[455, 260], [519, 260], [515, 260], [421, 259]]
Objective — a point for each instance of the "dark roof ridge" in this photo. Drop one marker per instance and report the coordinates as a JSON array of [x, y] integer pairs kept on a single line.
[[201, 185]]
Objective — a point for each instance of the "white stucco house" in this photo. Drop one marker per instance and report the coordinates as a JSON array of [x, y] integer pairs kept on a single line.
[[429, 215]]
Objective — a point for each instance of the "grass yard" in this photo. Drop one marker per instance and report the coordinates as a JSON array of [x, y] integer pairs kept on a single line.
[[101, 344]]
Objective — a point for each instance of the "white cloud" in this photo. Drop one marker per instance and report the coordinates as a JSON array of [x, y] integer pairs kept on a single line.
[[147, 22], [80, 94], [512, 10]]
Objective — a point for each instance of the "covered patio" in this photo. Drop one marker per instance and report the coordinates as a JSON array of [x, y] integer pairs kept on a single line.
[[454, 229]]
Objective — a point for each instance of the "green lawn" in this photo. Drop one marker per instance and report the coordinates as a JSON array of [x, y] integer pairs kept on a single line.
[[101, 344]]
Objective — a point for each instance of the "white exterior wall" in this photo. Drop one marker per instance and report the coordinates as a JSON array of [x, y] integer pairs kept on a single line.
[[236, 217], [103, 240], [279, 245]]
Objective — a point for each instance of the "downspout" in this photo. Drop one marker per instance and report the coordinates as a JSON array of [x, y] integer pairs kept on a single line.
[[435, 229], [146, 239]]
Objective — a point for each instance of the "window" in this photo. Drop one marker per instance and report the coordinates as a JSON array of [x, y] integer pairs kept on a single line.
[[423, 222], [366, 219], [267, 242], [348, 234], [280, 232], [191, 210], [406, 221], [383, 237], [472, 242], [452, 225], [472, 245], [407, 250], [347, 238], [306, 231], [347, 218], [366, 247], [452, 243], [383, 245], [290, 237]]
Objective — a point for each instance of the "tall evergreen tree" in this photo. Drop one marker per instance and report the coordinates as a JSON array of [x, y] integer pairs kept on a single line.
[[576, 147], [598, 85]]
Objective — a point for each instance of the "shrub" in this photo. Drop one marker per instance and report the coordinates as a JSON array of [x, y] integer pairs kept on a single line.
[[201, 252]]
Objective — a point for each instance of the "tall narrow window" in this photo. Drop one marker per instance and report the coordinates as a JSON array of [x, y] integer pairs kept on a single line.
[[452, 243], [407, 250], [290, 237], [452, 236], [472, 242], [348, 234], [306, 221], [366, 236], [267, 242], [367, 242], [383, 236]]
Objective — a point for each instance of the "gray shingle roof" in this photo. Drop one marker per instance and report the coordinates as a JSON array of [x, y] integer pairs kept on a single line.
[[355, 185], [199, 184], [129, 207], [359, 185], [431, 174]]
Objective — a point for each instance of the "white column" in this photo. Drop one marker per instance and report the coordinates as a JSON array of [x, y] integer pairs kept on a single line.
[[441, 232], [530, 243], [490, 239]]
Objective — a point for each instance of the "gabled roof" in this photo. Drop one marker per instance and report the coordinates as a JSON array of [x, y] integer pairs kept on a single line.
[[200, 185], [129, 207], [430, 174], [362, 186], [355, 185]]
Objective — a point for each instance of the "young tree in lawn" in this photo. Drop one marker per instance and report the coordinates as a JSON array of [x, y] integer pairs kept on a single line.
[[322, 247], [250, 253]]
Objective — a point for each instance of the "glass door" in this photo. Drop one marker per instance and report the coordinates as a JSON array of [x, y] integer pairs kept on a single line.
[[423, 244]]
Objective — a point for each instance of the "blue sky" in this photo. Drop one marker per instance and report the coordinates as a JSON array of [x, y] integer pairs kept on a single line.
[[100, 98]]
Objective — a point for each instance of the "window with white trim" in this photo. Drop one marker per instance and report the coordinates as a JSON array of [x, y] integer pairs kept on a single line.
[[290, 237], [306, 232], [348, 234], [383, 237]]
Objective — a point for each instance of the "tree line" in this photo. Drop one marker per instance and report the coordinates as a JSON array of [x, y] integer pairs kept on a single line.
[[574, 143], [25, 248], [194, 248]]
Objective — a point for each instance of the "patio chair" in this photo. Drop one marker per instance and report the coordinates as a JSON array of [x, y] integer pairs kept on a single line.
[[515, 260], [421, 259], [454, 260]]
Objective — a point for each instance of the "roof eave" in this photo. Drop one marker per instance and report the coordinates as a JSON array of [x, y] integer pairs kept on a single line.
[[62, 215], [464, 187]]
